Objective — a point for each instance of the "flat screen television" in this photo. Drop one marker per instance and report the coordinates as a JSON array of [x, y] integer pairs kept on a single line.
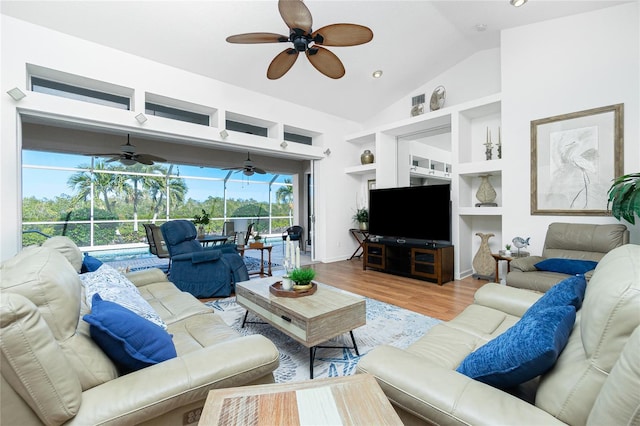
[[412, 213]]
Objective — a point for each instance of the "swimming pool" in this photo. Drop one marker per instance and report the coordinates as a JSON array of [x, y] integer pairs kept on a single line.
[[118, 254]]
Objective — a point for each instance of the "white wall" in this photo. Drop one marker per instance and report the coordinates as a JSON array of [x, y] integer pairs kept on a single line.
[[23, 43], [557, 67], [475, 77]]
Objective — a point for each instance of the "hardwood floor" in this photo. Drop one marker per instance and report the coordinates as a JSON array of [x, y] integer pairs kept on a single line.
[[442, 302]]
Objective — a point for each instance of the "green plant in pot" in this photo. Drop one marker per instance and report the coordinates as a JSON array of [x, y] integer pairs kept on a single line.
[[624, 197], [302, 277], [200, 221], [362, 217]]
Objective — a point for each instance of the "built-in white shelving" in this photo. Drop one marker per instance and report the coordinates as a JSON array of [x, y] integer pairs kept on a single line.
[[457, 140]]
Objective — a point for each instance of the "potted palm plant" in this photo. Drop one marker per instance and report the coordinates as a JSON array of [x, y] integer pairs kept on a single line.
[[362, 217], [624, 197]]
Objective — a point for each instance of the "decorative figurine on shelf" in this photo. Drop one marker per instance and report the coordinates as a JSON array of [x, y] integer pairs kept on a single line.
[[488, 145], [486, 194], [483, 262], [520, 243], [499, 145]]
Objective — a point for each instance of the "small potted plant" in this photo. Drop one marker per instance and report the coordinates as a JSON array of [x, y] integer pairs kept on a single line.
[[200, 221], [362, 217], [301, 278], [507, 251]]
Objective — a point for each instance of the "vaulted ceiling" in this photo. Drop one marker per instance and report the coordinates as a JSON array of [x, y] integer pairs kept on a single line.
[[413, 42]]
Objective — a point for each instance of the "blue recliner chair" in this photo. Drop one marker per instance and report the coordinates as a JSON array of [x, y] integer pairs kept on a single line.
[[201, 271]]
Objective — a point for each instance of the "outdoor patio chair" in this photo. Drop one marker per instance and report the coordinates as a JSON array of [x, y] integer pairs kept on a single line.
[[156, 242], [295, 233]]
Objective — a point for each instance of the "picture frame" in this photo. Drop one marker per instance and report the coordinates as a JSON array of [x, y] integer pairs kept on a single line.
[[574, 160]]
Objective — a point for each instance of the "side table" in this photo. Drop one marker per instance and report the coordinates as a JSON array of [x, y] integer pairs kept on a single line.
[[360, 236], [500, 256]]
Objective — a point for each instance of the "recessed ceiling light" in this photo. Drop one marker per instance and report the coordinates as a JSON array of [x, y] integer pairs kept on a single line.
[[481, 27], [377, 74], [517, 3]]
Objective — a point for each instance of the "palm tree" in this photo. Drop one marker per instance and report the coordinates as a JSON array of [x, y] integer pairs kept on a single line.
[[284, 195], [158, 186], [141, 184], [104, 184]]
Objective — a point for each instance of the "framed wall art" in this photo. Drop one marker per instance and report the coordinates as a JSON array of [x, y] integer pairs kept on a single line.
[[574, 159]]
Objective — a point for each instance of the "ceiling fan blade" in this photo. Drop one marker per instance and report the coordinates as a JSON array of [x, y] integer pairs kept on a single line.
[[259, 170], [254, 38], [326, 62], [343, 35], [282, 63], [143, 160], [296, 15], [152, 158], [112, 159]]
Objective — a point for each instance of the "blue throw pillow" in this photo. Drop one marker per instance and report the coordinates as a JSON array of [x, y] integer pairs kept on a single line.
[[526, 350], [566, 266], [129, 340], [90, 264], [568, 292]]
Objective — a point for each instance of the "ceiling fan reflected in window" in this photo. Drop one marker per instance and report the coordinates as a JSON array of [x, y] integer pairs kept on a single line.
[[128, 157], [247, 168], [299, 21]]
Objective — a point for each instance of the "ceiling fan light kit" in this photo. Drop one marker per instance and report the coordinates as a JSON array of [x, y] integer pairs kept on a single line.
[[299, 21], [517, 3]]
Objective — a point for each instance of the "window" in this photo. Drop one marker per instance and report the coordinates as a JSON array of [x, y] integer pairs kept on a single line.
[[96, 203], [292, 137], [247, 128], [79, 93], [176, 114]]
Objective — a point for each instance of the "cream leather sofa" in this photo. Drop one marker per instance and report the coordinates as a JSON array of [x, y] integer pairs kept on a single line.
[[595, 380], [53, 373], [566, 241]]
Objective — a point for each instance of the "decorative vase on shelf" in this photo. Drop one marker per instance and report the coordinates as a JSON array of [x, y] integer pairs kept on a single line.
[[364, 226], [200, 231], [486, 194], [366, 157], [483, 262]]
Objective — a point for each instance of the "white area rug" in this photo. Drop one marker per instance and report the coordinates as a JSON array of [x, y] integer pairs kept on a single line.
[[386, 324]]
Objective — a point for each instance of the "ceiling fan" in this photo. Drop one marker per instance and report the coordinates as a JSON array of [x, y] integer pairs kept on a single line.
[[247, 168], [298, 18], [128, 157]]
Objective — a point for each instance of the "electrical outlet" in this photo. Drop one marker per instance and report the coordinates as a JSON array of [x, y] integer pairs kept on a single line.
[[192, 417]]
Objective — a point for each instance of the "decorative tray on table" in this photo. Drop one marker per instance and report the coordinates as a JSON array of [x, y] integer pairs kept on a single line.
[[277, 290]]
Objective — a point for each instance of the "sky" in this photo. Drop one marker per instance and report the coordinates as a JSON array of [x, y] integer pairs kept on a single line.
[[50, 183]]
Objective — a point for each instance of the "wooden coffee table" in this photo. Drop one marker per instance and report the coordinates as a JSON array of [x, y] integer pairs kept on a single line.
[[310, 320], [354, 400]]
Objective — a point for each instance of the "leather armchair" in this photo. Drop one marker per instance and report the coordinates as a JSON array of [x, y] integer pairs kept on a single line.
[[569, 241], [201, 271]]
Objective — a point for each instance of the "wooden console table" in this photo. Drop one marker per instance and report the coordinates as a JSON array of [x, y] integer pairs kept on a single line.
[[360, 236], [356, 399]]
